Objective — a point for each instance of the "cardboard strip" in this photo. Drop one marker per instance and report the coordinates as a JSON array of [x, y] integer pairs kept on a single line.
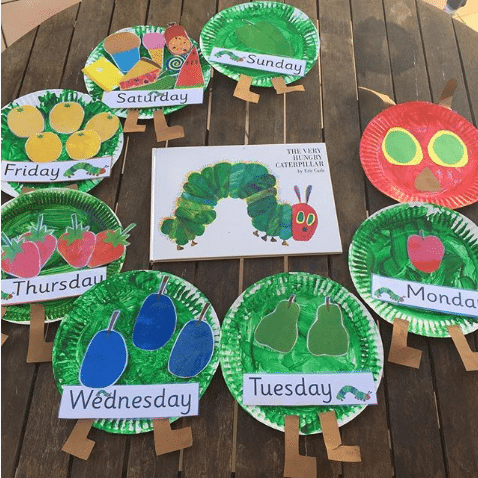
[[163, 131], [296, 465], [333, 441], [387, 101], [446, 97], [4, 336], [167, 440], [78, 443], [282, 88], [468, 357], [400, 352], [131, 123], [38, 349], [243, 90]]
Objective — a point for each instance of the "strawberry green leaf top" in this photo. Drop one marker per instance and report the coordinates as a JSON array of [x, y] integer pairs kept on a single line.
[[40, 231], [75, 231], [118, 237], [11, 247]]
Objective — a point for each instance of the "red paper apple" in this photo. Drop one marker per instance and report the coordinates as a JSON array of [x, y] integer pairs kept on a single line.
[[425, 253]]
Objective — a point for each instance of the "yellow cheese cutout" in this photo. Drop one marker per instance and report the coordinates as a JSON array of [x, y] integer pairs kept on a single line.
[[104, 74]]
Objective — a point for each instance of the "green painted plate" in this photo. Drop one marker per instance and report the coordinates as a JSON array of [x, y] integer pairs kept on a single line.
[[126, 292], [144, 113], [294, 32], [241, 354], [56, 205], [13, 147], [380, 247]]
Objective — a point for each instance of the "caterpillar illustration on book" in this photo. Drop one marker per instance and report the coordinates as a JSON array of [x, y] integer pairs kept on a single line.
[[251, 182]]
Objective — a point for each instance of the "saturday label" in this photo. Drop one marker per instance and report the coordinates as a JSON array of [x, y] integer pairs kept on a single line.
[[357, 388], [130, 401], [257, 61], [61, 171], [155, 98], [49, 287], [425, 296]]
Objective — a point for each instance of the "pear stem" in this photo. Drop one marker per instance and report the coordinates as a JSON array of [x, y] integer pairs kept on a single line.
[[291, 299], [203, 312], [163, 286], [114, 318], [327, 303]]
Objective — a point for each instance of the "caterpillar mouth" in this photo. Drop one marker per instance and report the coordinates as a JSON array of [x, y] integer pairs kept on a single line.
[[426, 181]]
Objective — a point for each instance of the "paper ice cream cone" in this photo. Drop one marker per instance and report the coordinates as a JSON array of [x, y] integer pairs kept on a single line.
[[154, 42]]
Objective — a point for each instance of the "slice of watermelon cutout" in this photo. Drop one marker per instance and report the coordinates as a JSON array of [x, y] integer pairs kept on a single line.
[[191, 72]]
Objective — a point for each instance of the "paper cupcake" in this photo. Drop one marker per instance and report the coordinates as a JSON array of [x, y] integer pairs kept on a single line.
[[154, 42], [123, 47]]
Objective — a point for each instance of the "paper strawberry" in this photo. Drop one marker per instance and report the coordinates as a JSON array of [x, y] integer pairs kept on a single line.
[[425, 253], [110, 245], [76, 244], [43, 238], [20, 258]]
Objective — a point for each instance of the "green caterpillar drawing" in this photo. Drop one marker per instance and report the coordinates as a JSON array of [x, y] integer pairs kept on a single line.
[[355, 392], [91, 170], [231, 55], [102, 392], [6, 296], [391, 294], [251, 182]]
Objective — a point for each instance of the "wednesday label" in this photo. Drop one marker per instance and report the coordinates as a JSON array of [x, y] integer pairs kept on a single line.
[[425, 296], [148, 99], [309, 389], [61, 171], [257, 61], [49, 287], [130, 401]]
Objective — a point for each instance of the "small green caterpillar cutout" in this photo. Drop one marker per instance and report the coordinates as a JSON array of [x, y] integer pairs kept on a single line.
[[6, 296], [102, 392], [231, 55], [354, 391], [391, 294], [91, 170]]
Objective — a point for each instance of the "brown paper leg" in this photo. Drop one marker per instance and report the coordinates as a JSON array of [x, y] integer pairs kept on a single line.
[[38, 349], [468, 357], [295, 465], [4, 336], [131, 124], [78, 443], [446, 97], [243, 91], [333, 441], [281, 87], [167, 440], [400, 352], [163, 131]]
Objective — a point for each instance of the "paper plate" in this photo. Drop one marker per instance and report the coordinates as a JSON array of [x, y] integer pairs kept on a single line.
[[144, 113], [126, 292], [380, 247], [241, 354], [454, 186], [296, 27], [56, 205], [13, 147]]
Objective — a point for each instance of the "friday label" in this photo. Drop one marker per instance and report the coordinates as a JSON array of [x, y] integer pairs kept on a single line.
[[49, 287], [257, 61], [425, 296], [61, 171], [355, 388], [130, 401], [155, 98]]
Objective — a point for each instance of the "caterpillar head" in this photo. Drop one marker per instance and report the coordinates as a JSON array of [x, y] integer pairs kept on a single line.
[[304, 217]]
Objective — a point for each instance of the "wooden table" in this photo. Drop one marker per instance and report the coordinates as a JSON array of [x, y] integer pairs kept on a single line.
[[426, 422]]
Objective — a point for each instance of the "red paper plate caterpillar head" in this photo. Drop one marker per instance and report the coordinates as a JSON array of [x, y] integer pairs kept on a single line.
[[304, 217]]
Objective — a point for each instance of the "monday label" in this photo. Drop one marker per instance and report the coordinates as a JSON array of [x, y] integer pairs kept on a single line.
[[50, 287], [154, 98], [130, 401], [425, 296], [355, 388], [257, 61], [61, 171]]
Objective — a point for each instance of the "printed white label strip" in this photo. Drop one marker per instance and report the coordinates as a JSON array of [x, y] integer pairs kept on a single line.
[[49, 287], [309, 389], [61, 171], [130, 401], [425, 296], [154, 98], [257, 61]]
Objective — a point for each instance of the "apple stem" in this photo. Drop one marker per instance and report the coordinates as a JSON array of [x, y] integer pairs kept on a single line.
[[114, 318], [163, 286], [291, 299], [327, 303], [203, 312], [421, 234]]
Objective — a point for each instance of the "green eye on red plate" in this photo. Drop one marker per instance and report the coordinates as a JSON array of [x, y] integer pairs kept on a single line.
[[447, 149], [400, 147]]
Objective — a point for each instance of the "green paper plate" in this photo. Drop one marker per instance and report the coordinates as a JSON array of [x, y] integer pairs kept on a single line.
[[13, 147], [296, 27], [380, 247], [56, 205], [144, 113], [241, 354], [126, 292]]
